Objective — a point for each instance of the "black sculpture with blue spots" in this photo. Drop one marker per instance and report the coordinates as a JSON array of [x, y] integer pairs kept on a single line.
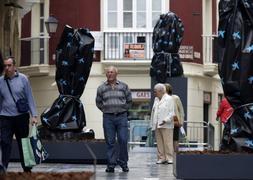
[[167, 37], [235, 56], [74, 55]]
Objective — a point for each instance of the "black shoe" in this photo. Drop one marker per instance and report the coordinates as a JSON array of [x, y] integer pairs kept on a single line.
[[2, 170], [28, 170], [125, 169], [109, 170]]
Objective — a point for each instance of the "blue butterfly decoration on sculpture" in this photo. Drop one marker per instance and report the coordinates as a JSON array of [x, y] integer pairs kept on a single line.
[[235, 57], [74, 56]]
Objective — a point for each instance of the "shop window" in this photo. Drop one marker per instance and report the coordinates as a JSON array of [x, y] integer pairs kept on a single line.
[[140, 109]]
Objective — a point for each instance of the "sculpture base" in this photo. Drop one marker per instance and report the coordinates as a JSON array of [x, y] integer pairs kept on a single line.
[[190, 165], [71, 151], [69, 147], [57, 135]]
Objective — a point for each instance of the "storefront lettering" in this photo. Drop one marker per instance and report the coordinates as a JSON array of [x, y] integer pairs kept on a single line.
[[141, 95]]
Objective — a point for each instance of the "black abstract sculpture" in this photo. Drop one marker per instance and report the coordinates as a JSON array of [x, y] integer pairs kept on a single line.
[[167, 37], [74, 55], [235, 49]]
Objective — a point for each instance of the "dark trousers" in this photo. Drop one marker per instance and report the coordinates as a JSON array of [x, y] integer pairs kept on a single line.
[[10, 125], [176, 133], [116, 126]]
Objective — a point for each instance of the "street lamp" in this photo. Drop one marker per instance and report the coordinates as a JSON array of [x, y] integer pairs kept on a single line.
[[51, 24]]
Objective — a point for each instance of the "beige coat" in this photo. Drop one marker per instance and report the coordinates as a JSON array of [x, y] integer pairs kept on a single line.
[[163, 110], [179, 110]]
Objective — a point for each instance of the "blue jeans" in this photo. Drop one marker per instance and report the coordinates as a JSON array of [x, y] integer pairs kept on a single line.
[[116, 126]]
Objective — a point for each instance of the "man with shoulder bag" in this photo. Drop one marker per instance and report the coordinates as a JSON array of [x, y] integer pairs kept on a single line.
[[16, 106]]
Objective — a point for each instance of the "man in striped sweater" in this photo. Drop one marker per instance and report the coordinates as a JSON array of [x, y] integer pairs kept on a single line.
[[114, 100]]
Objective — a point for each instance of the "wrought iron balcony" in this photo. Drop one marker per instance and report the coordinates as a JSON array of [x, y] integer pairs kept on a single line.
[[128, 46]]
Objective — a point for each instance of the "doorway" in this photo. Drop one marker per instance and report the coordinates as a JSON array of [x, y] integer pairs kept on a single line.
[[206, 107]]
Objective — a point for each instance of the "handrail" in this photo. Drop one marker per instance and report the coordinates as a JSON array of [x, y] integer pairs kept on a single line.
[[198, 134]]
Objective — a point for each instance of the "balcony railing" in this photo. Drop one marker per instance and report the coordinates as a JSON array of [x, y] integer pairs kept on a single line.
[[116, 46], [209, 55], [128, 45]]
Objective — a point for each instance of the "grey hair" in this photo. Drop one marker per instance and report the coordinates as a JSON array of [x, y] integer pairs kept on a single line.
[[112, 67], [160, 87]]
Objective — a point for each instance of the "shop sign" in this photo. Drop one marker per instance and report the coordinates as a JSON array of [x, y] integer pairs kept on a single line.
[[186, 52], [98, 36], [134, 50], [141, 94]]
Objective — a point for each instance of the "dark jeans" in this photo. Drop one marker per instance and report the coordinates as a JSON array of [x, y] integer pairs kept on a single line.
[[116, 126], [176, 134], [10, 125]]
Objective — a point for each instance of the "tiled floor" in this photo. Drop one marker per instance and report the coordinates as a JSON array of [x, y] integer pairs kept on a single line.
[[141, 164]]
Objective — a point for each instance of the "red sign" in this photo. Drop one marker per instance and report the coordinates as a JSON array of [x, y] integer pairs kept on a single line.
[[134, 51]]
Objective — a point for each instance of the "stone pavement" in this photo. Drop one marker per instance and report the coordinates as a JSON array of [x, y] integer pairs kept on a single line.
[[141, 164]]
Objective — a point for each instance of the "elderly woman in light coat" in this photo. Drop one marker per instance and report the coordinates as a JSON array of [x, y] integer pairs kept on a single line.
[[162, 123]]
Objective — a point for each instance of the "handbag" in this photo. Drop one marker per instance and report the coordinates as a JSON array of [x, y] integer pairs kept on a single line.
[[21, 104], [176, 122], [33, 151]]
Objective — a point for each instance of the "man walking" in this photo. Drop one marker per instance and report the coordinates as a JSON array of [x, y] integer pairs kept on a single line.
[[14, 86], [114, 100]]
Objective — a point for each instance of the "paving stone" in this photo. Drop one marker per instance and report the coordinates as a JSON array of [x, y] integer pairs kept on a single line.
[[142, 165]]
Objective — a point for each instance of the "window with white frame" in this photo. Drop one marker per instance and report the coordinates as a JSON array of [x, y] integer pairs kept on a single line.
[[141, 13], [156, 11], [130, 22], [112, 7], [127, 13], [42, 33], [39, 42], [133, 13]]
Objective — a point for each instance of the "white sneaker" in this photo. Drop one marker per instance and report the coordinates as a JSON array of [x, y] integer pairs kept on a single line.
[[160, 161], [170, 162]]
